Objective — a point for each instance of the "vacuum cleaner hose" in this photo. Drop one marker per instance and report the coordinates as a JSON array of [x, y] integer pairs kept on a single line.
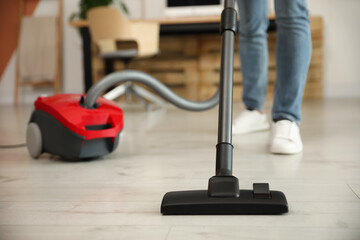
[[143, 78]]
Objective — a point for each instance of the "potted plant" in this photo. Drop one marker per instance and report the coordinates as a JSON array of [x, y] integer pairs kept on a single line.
[[85, 5]]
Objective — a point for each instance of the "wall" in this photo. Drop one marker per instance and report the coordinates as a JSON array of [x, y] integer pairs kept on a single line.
[[341, 48], [72, 53]]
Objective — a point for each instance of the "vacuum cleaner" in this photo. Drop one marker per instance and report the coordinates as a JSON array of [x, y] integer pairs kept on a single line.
[[77, 127], [60, 125], [86, 126]]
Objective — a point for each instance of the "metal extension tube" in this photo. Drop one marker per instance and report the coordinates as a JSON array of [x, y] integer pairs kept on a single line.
[[224, 148]]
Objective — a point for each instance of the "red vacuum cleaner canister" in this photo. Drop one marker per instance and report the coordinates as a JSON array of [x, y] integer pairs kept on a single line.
[[60, 125]]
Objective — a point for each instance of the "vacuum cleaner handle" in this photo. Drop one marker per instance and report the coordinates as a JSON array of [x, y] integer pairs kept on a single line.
[[111, 132]]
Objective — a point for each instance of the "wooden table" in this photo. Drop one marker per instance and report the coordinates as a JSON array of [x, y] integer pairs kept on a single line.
[[168, 26], [164, 23]]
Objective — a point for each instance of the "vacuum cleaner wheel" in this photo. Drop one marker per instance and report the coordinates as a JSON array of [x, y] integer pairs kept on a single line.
[[34, 140]]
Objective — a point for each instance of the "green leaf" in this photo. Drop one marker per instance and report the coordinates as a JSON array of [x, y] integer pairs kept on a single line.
[[86, 5], [124, 7]]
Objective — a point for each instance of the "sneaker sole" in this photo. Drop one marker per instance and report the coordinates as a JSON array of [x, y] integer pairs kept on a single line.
[[252, 130], [284, 152]]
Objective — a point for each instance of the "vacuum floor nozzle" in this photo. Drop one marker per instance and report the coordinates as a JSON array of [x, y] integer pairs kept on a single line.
[[249, 202]]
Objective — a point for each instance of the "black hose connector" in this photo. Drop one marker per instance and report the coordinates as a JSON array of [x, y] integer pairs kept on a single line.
[[224, 156], [228, 20]]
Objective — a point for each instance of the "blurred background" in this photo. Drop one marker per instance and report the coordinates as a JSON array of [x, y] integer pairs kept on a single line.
[[337, 55]]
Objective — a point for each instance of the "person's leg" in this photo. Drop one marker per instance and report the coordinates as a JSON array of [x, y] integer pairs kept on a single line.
[[293, 53], [253, 51]]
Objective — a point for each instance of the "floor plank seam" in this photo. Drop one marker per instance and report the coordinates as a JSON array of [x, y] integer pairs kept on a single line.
[[168, 233], [353, 191]]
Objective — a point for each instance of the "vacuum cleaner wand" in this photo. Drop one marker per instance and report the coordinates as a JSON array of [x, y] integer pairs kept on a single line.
[[223, 195], [224, 147]]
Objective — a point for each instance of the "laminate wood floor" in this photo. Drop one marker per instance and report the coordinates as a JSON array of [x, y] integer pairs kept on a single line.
[[119, 195]]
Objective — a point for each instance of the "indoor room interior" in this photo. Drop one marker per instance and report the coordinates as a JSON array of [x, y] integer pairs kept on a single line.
[[114, 114]]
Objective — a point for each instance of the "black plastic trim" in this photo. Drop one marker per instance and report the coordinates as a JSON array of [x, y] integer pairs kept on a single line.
[[228, 20], [223, 186], [199, 203], [224, 156]]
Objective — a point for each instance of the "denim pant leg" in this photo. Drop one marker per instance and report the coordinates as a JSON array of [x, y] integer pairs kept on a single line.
[[293, 53], [253, 51]]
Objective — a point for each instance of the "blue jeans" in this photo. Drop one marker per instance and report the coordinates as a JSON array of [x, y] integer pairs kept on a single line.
[[293, 53]]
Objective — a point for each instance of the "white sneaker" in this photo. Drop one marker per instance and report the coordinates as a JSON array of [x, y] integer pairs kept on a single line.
[[250, 121], [286, 138]]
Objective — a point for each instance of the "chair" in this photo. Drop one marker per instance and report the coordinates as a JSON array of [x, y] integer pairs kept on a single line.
[[39, 52], [111, 31]]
